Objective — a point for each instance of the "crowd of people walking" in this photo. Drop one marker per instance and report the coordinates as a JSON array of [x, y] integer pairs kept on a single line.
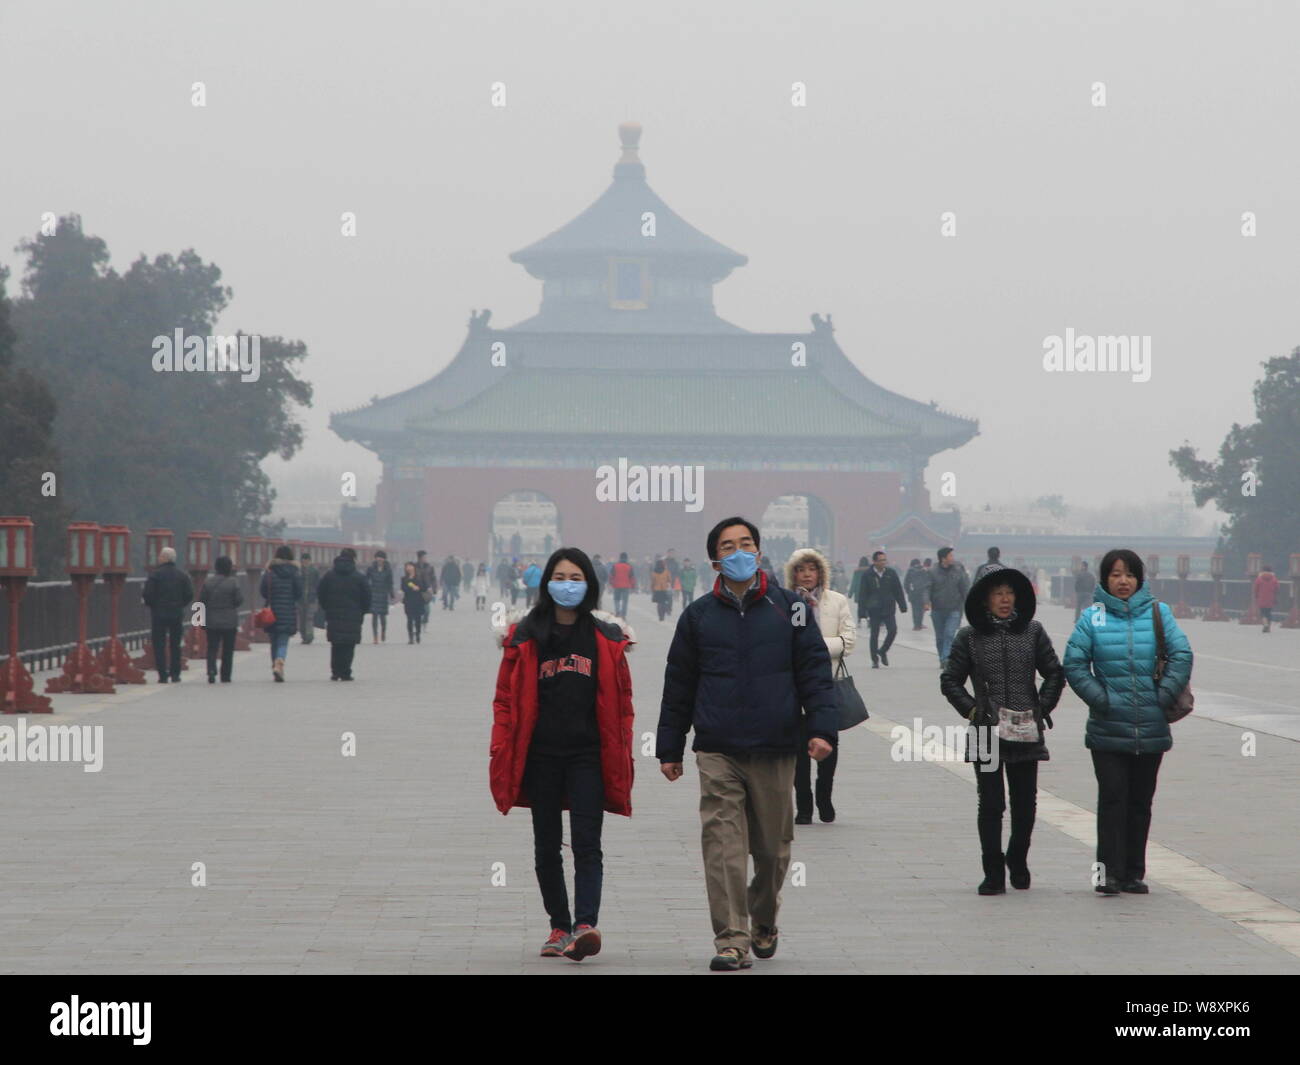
[[754, 672]]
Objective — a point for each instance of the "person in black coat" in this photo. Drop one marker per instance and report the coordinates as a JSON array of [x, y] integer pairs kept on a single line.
[[344, 595], [1000, 651], [380, 575], [413, 589], [167, 592], [282, 590], [879, 591]]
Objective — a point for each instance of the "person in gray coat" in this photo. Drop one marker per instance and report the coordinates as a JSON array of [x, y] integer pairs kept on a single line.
[[221, 598], [917, 586], [949, 584]]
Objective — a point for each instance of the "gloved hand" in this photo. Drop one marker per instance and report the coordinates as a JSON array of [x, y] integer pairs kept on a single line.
[[1047, 720]]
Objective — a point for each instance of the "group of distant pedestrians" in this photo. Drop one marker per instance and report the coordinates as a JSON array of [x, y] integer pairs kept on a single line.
[[298, 598]]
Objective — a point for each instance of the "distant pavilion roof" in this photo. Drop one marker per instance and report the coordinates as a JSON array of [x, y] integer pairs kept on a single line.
[[631, 367], [613, 225]]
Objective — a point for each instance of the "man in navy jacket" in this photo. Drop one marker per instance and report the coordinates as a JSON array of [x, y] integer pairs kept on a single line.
[[746, 664]]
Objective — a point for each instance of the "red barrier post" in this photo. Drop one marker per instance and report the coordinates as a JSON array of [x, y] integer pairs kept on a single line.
[[81, 674], [17, 541], [114, 564]]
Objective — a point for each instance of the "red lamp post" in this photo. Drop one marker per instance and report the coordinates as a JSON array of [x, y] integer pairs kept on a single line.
[[256, 553], [1215, 613], [1293, 617], [81, 673], [1251, 616], [17, 694], [198, 560], [115, 564], [1182, 610], [154, 541]]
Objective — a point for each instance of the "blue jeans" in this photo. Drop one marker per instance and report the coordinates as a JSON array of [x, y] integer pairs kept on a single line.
[[946, 623], [279, 645]]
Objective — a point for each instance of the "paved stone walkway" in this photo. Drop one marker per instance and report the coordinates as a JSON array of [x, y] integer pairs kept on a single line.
[[384, 862]]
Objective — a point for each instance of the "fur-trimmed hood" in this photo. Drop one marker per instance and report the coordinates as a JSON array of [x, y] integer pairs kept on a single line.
[[977, 598], [513, 617], [807, 554]]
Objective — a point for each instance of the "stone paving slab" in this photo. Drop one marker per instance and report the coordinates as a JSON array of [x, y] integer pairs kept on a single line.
[[383, 862]]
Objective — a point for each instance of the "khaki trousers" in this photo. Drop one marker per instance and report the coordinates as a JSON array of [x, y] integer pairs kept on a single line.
[[746, 807]]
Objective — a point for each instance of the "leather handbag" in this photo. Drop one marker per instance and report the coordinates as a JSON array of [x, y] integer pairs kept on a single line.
[[1185, 701], [853, 711], [264, 618]]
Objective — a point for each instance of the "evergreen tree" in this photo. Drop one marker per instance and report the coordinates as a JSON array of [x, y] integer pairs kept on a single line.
[[29, 463], [141, 447], [1256, 480]]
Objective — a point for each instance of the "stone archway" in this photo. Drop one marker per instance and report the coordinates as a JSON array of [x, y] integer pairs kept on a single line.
[[797, 520], [524, 523]]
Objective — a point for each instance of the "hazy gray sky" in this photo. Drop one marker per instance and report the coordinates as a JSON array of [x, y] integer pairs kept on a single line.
[[1123, 219]]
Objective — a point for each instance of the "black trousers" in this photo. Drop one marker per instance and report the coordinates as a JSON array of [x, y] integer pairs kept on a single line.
[[1126, 784], [341, 659], [222, 640], [167, 648], [803, 789], [549, 782], [413, 623], [877, 618], [1022, 783], [378, 624], [620, 601]]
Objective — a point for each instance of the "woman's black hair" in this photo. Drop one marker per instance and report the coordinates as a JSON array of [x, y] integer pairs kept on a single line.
[[412, 565], [224, 566], [622, 556], [1120, 554], [285, 552], [659, 565], [863, 562], [542, 616]]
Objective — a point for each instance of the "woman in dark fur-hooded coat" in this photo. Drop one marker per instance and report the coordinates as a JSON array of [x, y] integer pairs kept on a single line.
[[1002, 651]]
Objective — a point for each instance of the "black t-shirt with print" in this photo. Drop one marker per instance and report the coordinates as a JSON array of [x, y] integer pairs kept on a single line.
[[566, 691]]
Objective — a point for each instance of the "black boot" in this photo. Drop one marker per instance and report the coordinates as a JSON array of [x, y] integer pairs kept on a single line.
[[825, 810], [1018, 867], [995, 876]]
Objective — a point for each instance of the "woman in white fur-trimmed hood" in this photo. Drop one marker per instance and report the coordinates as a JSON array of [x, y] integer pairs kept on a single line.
[[809, 574]]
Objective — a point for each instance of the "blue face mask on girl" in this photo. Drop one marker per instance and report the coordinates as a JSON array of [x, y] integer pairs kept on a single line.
[[740, 565], [567, 594]]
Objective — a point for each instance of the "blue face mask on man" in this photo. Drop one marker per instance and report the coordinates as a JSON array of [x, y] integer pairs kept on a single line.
[[567, 594], [740, 565]]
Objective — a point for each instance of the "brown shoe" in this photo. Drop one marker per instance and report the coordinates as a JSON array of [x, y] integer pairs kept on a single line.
[[278, 669], [764, 941]]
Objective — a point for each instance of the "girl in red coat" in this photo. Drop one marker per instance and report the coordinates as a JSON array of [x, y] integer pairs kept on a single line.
[[562, 739]]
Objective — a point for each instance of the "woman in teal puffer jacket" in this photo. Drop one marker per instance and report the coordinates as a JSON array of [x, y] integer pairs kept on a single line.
[[1110, 664]]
